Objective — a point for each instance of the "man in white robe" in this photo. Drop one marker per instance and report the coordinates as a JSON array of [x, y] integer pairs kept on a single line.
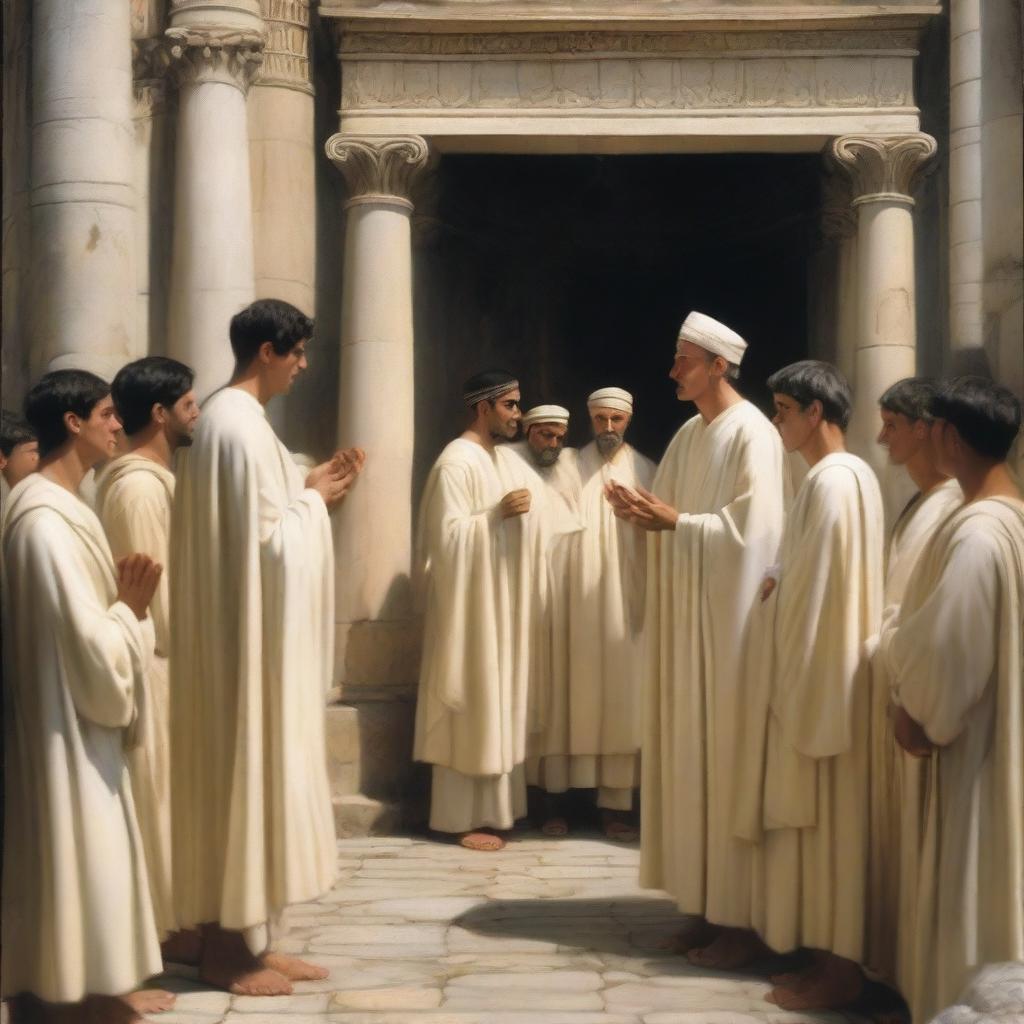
[[808, 695], [954, 656], [19, 456], [481, 562], [716, 524], [251, 634], [134, 495], [77, 916], [906, 434]]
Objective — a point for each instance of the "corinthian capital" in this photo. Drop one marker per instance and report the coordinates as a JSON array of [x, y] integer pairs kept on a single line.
[[378, 168], [211, 54], [883, 167]]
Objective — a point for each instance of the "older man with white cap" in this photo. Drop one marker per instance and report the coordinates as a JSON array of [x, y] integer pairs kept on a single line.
[[598, 744], [716, 515]]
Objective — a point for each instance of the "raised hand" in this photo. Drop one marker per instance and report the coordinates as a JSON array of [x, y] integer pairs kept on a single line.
[[137, 579]]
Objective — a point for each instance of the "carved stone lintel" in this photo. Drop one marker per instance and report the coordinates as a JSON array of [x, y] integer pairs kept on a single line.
[[883, 168], [211, 55], [378, 169]]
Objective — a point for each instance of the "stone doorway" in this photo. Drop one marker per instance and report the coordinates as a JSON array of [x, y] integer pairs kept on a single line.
[[575, 271]]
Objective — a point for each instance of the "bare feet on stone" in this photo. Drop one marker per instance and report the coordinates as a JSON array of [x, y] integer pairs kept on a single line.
[[228, 963], [183, 947], [293, 968], [831, 985], [731, 949], [482, 842], [555, 826], [618, 828], [149, 1000]]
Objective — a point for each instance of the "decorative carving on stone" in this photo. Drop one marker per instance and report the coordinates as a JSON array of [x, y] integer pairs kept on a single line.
[[378, 168], [215, 55], [838, 217], [286, 54], [883, 166], [150, 61]]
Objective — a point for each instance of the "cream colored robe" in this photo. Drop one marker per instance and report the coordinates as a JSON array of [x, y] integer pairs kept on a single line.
[[727, 480], [956, 658], [134, 496], [483, 582], [911, 533], [810, 879], [252, 630], [77, 914]]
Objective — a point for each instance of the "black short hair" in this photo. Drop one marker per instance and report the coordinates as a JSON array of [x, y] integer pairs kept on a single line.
[[986, 415], [13, 431], [271, 320], [57, 393], [813, 380], [911, 397], [154, 380]]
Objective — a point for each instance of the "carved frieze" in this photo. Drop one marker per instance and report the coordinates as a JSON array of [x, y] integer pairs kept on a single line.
[[883, 166], [211, 55], [286, 54], [376, 168], [150, 62]]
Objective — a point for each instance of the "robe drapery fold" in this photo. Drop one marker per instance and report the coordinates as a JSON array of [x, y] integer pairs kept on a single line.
[[252, 631], [810, 875], [955, 656], [134, 496], [726, 478], [77, 913]]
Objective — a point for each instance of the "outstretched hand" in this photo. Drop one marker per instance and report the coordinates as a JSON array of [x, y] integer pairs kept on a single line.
[[333, 479], [640, 507], [137, 579]]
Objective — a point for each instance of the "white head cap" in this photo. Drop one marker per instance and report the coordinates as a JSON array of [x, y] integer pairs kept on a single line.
[[545, 414], [611, 398], [713, 337]]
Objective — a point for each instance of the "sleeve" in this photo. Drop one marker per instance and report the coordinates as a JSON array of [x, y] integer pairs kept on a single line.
[[942, 655]]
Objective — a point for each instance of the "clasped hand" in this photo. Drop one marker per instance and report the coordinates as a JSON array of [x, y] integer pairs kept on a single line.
[[137, 579], [333, 479], [515, 503], [640, 507]]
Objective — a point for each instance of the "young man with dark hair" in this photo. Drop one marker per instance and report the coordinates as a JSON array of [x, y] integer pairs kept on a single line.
[[803, 785], [134, 495], [19, 449], [252, 631], [954, 657], [77, 914]]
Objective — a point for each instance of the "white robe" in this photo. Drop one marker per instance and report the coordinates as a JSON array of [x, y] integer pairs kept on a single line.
[[956, 658], [727, 480], [252, 631], [482, 579], [911, 533], [77, 915], [811, 686], [134, 496]]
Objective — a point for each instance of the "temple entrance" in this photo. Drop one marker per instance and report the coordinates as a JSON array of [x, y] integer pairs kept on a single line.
[[575, 272]]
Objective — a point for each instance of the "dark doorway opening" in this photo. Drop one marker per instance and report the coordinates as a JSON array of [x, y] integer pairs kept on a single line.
[[575, 273]]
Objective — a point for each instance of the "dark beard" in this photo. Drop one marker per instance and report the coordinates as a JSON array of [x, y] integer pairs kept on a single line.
[[548, 457], [609, 442]]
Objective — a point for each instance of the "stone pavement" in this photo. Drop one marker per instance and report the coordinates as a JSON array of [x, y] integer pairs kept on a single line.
[[546, 932]]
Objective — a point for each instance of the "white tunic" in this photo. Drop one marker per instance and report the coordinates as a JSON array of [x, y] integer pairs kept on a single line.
[[134, 496], [727, 480], [77, 915], [956, 657], [810, 883], [252, 629]]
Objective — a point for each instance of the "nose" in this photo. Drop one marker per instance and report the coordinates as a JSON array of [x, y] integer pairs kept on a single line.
[[881, 437]]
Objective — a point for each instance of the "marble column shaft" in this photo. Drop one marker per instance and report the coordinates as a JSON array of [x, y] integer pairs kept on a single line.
[[376, 405], [82, 196]]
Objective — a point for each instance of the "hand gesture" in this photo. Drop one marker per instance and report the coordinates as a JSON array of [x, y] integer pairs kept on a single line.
[[909, 734], [333, 479], [515, 503], [641, 507], [137, 579]]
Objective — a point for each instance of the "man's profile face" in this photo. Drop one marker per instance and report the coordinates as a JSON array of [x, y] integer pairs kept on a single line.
[[794, 424], [22, 462], [503, 417], [902, 436], [609, 427], [546, 441], [98, 433], [283, 370], [691, 372], [181, 419]]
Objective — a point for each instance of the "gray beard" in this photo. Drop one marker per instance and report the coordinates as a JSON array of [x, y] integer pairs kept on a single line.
[[548, 457], [609, 443]]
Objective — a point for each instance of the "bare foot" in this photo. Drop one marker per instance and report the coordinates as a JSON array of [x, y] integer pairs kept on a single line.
[[293, 968], [694, 935], [184, 947], [483, 842], [733, 948], [834, 984], [228, 963], [618, 829], [556, 826], [149, 1000]]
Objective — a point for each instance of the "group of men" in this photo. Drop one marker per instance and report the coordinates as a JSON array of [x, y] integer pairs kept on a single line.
[[831, 721]]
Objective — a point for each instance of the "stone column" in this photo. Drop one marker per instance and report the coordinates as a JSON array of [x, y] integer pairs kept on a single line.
[[212, 255], [374, 527], [882, 169], [82, 197]]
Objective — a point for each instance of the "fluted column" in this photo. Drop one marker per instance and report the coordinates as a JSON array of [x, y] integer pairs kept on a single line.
[[882, 170], [212, 273], [374, 538], [82, 197]]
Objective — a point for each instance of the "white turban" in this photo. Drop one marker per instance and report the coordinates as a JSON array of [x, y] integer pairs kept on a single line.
[[713, 337], [611, 398], [545, 414]]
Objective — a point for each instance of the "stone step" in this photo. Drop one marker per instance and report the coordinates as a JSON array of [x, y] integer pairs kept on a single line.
[[369, 748], [356, 815]]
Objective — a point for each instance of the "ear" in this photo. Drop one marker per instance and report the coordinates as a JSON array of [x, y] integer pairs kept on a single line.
[[719, 366], [72, 423], [922, 429], [3, 462], [158, 413], [265, 353], [816, 411]]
